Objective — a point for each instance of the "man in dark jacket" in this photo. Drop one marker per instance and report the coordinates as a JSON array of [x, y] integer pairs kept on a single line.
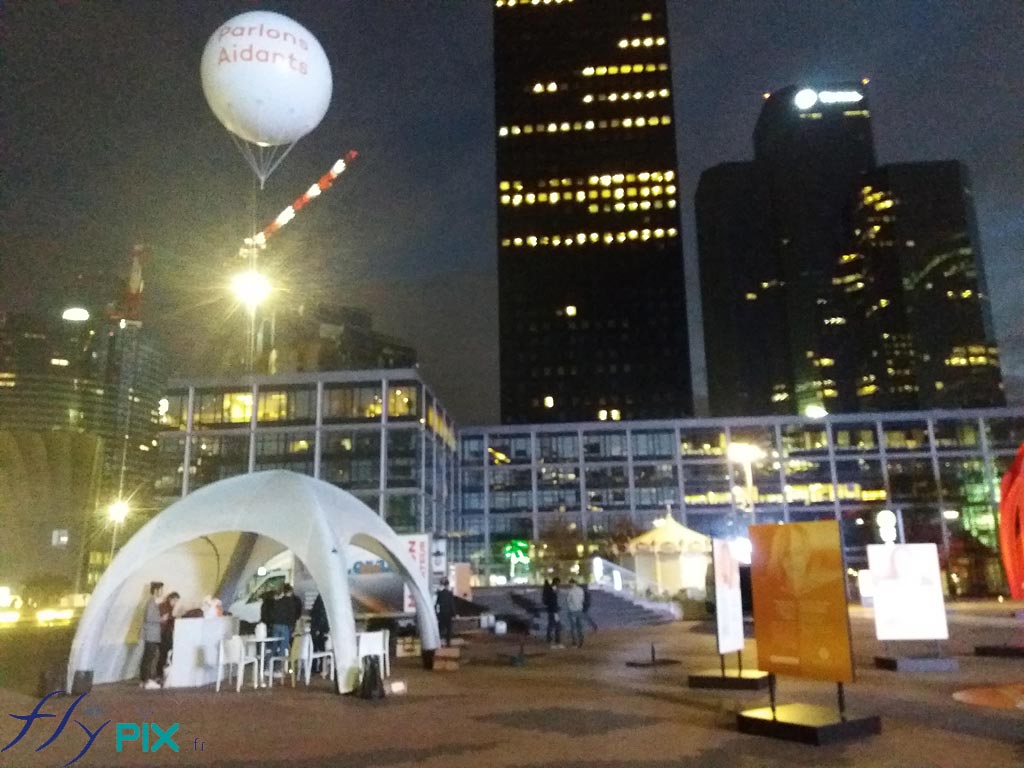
[[284, 613], [550, 598], [319, 627], [445, 611]]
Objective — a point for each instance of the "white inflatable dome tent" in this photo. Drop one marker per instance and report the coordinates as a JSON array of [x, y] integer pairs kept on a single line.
[[212, 541]]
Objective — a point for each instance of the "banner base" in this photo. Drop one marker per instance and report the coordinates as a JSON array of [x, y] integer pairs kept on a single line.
[[747, 680], [917, 663], [1000, 651], [806, 724]]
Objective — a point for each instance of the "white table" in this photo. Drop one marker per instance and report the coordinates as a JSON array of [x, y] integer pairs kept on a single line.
[[261, 642]]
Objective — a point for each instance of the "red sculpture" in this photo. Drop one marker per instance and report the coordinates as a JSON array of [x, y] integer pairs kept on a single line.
[[1011, 525]]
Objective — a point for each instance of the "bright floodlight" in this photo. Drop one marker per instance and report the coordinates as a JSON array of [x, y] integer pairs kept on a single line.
[[745, 453], [75, 314], [118, 511], [815, 412], [805, 99], [251, 288]]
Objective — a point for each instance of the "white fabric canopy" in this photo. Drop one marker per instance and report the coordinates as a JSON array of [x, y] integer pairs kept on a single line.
[[670, 537], [315, 520]]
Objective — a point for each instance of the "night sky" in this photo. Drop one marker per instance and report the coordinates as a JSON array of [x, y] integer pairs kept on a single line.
[[108, 141]]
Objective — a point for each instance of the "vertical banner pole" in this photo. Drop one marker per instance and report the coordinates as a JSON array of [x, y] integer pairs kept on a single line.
[[721, 658], [771, 693], [841, 692], [739, 661]]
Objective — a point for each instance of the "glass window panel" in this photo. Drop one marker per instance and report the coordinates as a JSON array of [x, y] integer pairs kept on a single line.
[[174, 413], [607, 488], [969, 502], [957, 434], [654, 475], [403, 400], [472, 450], [860, 481], [707, 485], [849, 438], [216, 457], [653, 444], [223, 409], [351, 459], [604, 446], [798, 439], [298, 404], [905, 436], [718, 525], [352, 402], [558, 499], [702, 442], [555, 448], [472, 479], [509, 449], [808, 482], [403, 513], [1005, 432], [912, 480], [504, 478], [922, 525]]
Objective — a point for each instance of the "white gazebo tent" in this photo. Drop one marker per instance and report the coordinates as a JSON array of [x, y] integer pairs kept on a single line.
[[246, 519], [671, 557]]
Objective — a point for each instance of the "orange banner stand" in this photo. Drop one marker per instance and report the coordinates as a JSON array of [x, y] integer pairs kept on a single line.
[[800, 611], [802, 628]]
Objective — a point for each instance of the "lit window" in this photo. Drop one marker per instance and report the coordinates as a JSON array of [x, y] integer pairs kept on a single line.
[[660, 41], [602, 415], [515, 130], [623, 43], [538, 87], [646, 17], [648, 42], [588, 98], [570, 311], [615, 414], [588, 72], [552, 87], [589, 125], [504, 185], [627, 123], [503, 131], [554, 197], [549, 401], [505, 199]]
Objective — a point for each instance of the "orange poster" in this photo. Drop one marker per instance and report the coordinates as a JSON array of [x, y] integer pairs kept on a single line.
[[800, 614]]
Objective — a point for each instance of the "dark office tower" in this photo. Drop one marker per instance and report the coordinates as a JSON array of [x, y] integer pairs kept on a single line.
[[811, 145], [591, 299], [742, 299], [916, 294]]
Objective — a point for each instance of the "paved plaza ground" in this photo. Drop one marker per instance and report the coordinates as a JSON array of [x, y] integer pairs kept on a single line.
[[563, 709]]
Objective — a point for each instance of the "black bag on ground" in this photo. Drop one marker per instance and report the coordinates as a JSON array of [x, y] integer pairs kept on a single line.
[[371, 682]]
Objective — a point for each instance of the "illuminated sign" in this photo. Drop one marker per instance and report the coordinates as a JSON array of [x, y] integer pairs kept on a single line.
[[807, 97]]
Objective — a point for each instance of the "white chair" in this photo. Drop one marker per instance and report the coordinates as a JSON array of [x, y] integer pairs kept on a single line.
[[374, 644], [308, 656], [289, 661], [232, 654]]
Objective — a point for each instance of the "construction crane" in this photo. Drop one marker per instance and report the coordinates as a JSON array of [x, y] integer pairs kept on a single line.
[[259, 240]]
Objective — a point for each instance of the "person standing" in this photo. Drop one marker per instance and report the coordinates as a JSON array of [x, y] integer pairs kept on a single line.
[[319, 627], [586, 607], [166, 630], [445, 607], [151, 622], [284, 613], [554, 630], [574, 599]]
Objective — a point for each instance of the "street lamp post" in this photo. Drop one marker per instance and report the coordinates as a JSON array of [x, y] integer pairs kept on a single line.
[[251, 288], [117, 514], [745, 454]]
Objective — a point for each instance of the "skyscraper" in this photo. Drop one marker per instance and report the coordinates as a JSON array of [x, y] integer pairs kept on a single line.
[[591, 299], [914, 295], [811, 146], [742, 298]]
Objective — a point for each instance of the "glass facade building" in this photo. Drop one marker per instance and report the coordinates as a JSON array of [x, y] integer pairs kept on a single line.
[[938, 470], [381, 435]]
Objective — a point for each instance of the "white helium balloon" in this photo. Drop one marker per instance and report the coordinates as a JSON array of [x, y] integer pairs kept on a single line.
[[266, 78]]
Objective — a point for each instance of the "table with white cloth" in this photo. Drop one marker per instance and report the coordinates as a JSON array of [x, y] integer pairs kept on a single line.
[[261, 642]]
